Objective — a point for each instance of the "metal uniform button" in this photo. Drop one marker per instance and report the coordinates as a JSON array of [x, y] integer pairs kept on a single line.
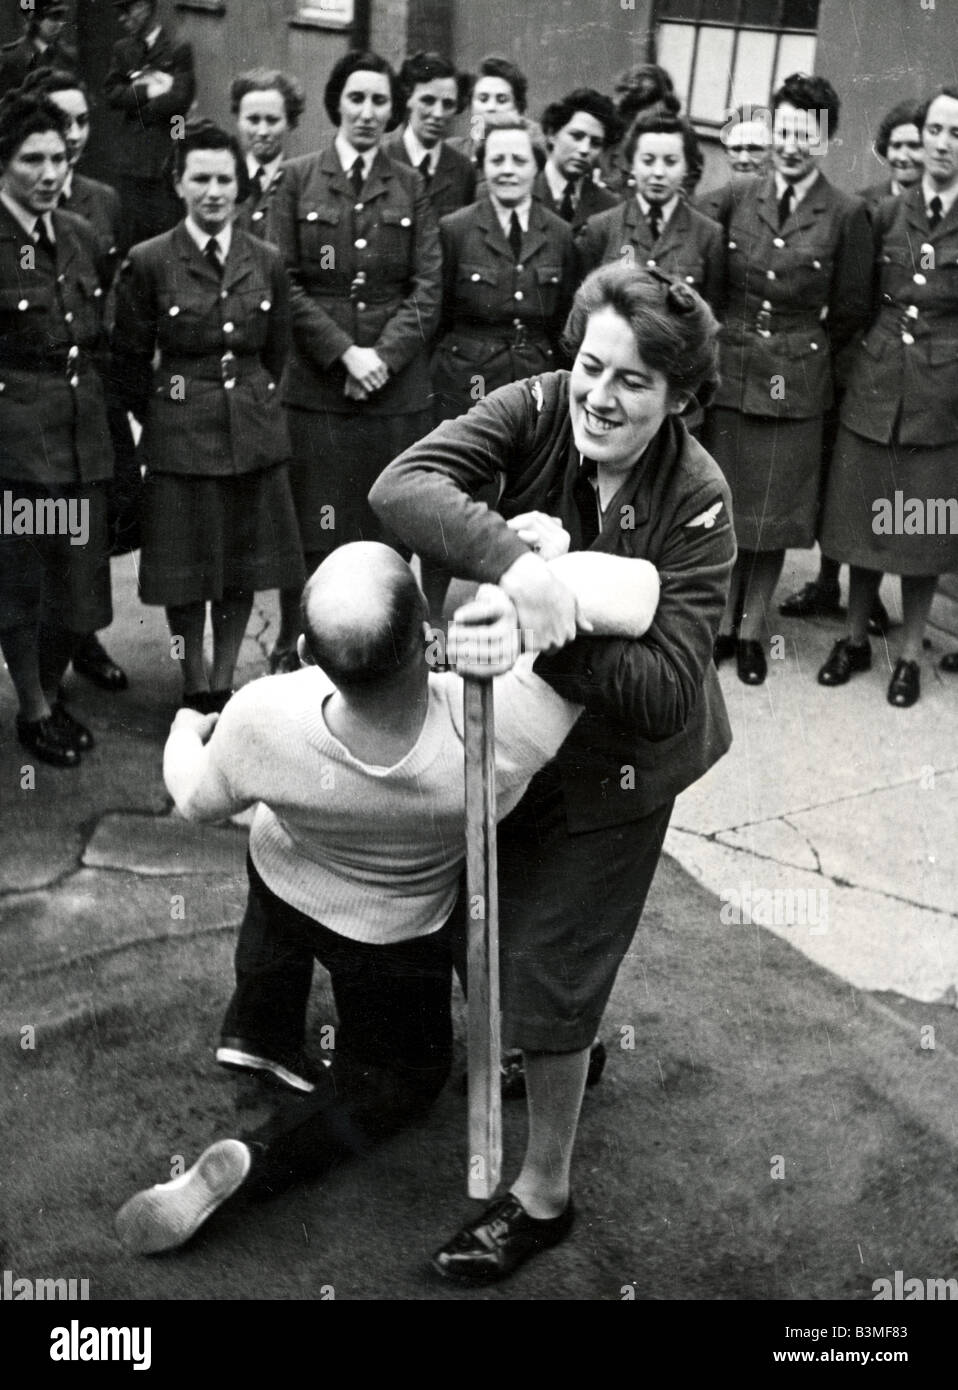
[[733, 246], [779, 242], [361, 304], [520, 269], [690, 279], [770, 275], [813, 346], [766, 304], [907, 339], [518, 295], [3, 385], [650, 264], [359, 207], [312, 216], [258, 216], [74, 381], [23, 304], [360, 243], [97, 292], [229, 326], [266, 305], [68, 317], [224, 294], [816, 265], [174, 310], [475, 276], [920, 279], [405, 221]]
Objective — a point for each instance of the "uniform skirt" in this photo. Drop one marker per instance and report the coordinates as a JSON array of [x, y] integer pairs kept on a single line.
[[336, 459], [206, 537], [569, 906], [774, 469], [865, 524]]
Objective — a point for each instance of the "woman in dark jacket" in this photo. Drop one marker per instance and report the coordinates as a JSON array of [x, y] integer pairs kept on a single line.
[[601, 449], [891, 487], [657, 227], [799, 276], [218, 515], [361, 245], [55, 455]]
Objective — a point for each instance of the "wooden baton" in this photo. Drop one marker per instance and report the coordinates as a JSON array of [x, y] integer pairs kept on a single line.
[[482, 915]]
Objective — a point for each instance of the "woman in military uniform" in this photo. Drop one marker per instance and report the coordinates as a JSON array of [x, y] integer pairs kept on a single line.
[[267, 105], [898, 437], [656, 227], [362, 248], [218, 515], [798, 285], [55, 455]]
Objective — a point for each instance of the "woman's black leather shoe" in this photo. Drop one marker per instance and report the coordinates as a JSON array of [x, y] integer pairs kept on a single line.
[[904, 687], [843, 661], [750, 660], [72, 730], [949, 662], [95, 664], [499, 1241], [47, 741], [723, 648]]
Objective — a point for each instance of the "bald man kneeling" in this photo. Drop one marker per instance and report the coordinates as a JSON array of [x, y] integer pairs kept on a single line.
[[356, 849]]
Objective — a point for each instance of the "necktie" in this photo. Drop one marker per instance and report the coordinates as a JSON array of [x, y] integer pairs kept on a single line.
[[356, 174], [425, 168], [43, 239], [587, 501], [935, 212], [257, 182], [785, 205], [567, 207], [655, 220], [212, 254], [515, 235]]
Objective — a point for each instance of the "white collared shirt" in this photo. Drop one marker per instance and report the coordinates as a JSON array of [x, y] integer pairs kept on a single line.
[[665, 209], [417, 151], [947, 195], [798, 189], [504, 214], [223, 238], [27, 220], [557, 183], [270, 170], [67, 188], [348, 155]]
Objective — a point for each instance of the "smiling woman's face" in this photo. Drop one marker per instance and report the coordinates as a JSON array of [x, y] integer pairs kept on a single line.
[[616, 402]]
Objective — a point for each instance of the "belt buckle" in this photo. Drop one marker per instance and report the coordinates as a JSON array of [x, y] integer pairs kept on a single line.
[[228, 370], [763, 323], [71, 365]]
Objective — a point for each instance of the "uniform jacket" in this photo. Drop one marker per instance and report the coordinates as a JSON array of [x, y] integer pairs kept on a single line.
[[255, 214], [52, 416], [20, 58], [363, 271], [906, 367], [201, 414], [794, 296], [691, 246], [655, 719], [100, 205], [874, 193], [500, 320], [452, 186], [144, 143], [593, 199]]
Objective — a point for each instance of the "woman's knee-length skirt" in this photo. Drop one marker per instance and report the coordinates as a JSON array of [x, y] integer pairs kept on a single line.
[[887, 506], [204, 537], [336, 459], [774, 470]]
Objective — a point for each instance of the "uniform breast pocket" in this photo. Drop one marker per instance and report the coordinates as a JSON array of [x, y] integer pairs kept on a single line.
[[549, 286], [317, 228], [477, 286], [393, 235], [691, 269]]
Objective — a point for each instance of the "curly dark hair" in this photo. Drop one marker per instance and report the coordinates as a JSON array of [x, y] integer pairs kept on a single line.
[[807, 93], [202, 134], [270, 80], [558, 114], [642, 86], [44, 81], [905, 113], [657, 120], [426, 67], [675, 331], [24, 115], [356, 60], [499, 67]]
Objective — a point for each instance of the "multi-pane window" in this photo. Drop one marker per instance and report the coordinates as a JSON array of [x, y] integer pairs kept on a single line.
[[723, 53]]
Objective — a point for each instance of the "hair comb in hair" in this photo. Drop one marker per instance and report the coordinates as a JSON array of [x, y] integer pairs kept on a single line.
[[679, 298]]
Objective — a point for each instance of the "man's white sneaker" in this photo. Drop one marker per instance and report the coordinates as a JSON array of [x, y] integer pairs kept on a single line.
[[167, 1215]]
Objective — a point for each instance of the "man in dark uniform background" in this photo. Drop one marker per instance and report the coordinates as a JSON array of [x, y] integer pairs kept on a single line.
[[151, 80], [41, 45]]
